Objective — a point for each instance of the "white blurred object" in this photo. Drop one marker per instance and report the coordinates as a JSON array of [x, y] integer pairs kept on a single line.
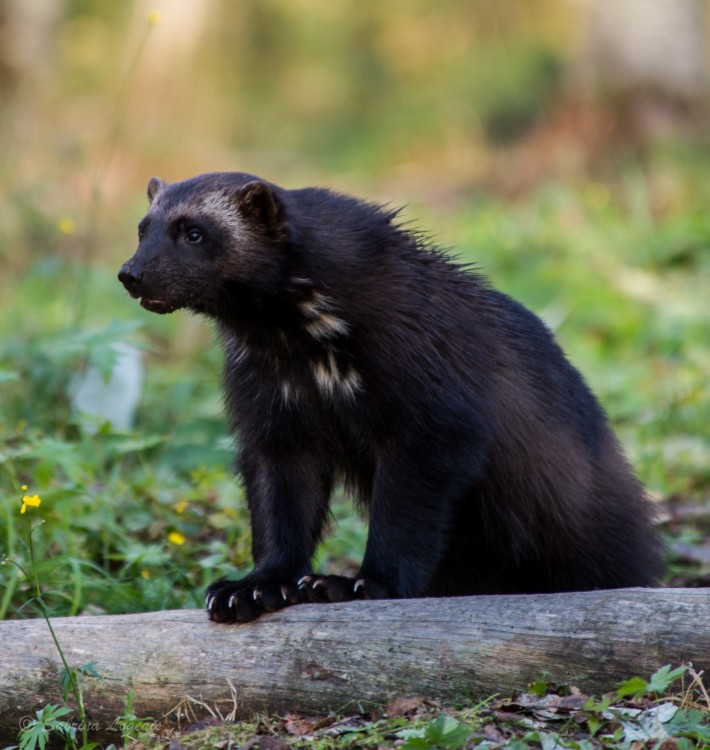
[[96, 400], [658, 47]]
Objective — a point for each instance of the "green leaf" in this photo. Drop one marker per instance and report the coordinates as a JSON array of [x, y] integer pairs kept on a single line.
[[636, 687], [447, 732], [69, 680], [594, 724], [417, 743], [51, 712], [129, 701], [443, 732], [662, 679], [89, 670], [660, 682], [538, 688], [515, 743], [683, 743], [690, 723], [63, 729], [36, 733], [600, 706], [119, 444]]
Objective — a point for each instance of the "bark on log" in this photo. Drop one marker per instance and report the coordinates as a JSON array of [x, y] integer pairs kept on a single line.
[[316, 658]]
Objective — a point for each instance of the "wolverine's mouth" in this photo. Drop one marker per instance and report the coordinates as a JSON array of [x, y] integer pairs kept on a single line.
[[161, 306]]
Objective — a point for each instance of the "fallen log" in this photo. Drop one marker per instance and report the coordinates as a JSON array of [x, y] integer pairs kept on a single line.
[[318, 658]]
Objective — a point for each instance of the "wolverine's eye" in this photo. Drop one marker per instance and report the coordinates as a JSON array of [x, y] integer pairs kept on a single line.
[[194, 236]]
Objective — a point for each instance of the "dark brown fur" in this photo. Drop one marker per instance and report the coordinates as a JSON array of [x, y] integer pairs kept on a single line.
[[354, 349]]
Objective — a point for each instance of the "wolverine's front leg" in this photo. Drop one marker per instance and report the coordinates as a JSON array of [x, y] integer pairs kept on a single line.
[[418, 483], [288, 495]]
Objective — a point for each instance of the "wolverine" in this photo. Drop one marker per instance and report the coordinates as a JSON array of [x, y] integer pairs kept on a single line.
[[358, 352]]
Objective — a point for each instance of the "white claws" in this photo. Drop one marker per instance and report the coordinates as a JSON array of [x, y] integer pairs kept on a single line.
[[310, 580], [304, 582]]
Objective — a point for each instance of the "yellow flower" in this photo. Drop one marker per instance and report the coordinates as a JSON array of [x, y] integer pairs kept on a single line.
[[66, 225], [24, 488], [145, 574], [175, 537], [30, 501], [180, 507], [154, 17]]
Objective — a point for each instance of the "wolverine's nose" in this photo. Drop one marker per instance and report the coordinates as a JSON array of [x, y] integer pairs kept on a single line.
[[130, 278]]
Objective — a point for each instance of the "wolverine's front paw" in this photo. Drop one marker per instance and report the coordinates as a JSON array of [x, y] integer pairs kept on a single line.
[[247, 599], [315, 588]]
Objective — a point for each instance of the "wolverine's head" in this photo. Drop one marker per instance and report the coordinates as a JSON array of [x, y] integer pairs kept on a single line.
[[205, 240]]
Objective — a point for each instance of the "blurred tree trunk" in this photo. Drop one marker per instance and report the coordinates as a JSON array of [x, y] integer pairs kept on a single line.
[[649, 57], [26, 28]]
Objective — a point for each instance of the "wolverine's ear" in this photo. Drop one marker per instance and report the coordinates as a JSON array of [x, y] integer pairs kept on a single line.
[[155, 185], [257, 203]]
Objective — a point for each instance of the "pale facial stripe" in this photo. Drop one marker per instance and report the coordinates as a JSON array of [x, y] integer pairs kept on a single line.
[[221, 207], [217, 207]]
